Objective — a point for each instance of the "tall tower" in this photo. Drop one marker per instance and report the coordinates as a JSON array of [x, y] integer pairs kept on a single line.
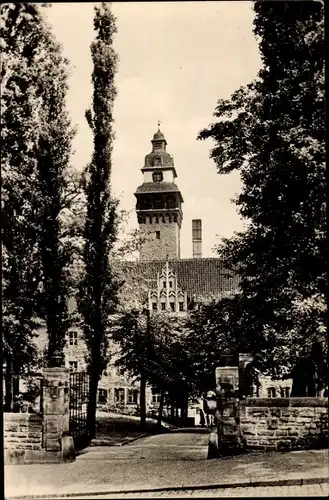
[[159, 205]]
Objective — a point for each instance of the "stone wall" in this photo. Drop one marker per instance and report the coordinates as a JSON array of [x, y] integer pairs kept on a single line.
[[284, 424], [22, 432]]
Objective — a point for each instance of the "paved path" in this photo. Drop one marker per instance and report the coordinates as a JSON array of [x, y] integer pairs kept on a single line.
[[168, 460]]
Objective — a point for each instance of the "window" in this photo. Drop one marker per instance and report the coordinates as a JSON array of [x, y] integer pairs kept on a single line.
[[164, 284], [73, 366], [170, 284], [157, 145], [102, 396], [158, 203], [157, 235], [157, 220], [284, 392], [181, 306], [119, 395], [133, 396], [163, 306], [172, 305], [171, 201], [150, 220], [73, 337], [157, 176], [155, 306], [146, 203], [155, 397], [271, 392]]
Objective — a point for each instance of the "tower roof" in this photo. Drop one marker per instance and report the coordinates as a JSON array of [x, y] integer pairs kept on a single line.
[[158, 136]]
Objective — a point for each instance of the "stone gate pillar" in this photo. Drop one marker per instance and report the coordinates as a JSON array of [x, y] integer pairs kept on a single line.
[[55, 407], [227, 415]]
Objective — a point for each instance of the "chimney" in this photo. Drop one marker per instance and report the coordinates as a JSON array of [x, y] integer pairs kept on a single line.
[[197, 238]]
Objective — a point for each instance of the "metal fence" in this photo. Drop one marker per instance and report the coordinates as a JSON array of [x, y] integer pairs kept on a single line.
[[78, 399]]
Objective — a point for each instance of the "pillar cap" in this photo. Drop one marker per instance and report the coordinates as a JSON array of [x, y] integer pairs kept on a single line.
[[56, 360]]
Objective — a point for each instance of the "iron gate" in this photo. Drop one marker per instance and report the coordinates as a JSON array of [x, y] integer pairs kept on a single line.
[[79, 392]]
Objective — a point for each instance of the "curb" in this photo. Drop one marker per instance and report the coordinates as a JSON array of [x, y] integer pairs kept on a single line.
[[104, 442], [244, 484], [130, 440]]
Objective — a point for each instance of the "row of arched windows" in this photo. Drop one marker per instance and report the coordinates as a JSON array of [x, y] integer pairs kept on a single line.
[[149, 202]]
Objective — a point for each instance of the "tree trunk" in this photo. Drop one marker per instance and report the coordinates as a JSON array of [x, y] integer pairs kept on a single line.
[[92, 404], [172, 412], [142, 401], [299, 380], [311, 385], [161, 408], [184, 408], [8, 386]]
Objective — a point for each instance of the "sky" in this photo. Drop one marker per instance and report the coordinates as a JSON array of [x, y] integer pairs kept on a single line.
[[176, 59]]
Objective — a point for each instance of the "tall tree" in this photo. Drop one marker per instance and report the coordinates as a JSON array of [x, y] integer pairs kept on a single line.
[[131, 332], [98, 290], [154, 351], [211, 332], [33, 80], [19, 111], [272, 132], [54, 152]]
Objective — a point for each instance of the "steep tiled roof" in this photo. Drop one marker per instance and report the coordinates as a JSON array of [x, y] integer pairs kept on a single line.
[[205, 277]]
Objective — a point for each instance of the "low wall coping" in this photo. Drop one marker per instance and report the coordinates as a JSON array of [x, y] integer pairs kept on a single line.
[[22, 417], [309, 402]]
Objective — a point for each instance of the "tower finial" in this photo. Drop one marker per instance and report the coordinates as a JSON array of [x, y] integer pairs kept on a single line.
[[159, 122]]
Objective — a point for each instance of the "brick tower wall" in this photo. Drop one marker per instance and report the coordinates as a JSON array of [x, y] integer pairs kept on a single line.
[[158, 249]]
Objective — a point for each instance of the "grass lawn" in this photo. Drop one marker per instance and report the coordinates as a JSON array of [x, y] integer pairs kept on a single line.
[[113, 429]]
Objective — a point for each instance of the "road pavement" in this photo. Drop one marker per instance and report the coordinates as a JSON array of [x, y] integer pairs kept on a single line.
[[171, 460]]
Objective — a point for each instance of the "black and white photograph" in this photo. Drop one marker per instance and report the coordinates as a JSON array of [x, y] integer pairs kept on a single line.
[[164, 249]]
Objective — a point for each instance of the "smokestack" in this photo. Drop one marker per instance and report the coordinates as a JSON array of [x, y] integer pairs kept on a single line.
[[197, 238]]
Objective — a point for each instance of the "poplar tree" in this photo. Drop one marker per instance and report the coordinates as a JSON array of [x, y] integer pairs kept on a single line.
[[273, 132], [98, 289], [54, 153]]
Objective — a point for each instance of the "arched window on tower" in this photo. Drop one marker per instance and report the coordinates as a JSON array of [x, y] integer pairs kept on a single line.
[[146, 203], [170, 201], [158, 203]]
